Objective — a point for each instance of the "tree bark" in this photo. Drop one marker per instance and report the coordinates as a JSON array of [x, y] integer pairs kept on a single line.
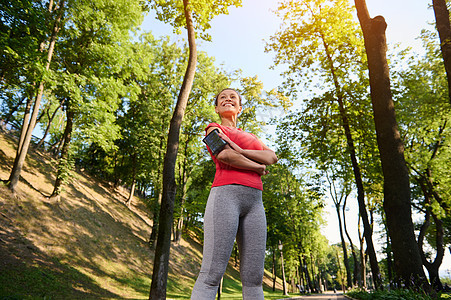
[[25, 124], [132, 188], [362, 256], [343, 246], [132, 193], [183, 178], [307, 275], [356, 273], [444, 31], [161, 262], [62, 167], [432, 267], [397, 208], [20, 158], [368, 231]]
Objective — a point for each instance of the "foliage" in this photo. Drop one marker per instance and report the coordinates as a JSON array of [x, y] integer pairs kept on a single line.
[[387, 295], [424, 117], [24, 25], [315, 132], [172, 12]]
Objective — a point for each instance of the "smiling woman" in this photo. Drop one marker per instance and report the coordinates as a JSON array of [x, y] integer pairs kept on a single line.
[[234, 207]]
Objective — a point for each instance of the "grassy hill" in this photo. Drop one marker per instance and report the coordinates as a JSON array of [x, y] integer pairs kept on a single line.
[[89, 245]]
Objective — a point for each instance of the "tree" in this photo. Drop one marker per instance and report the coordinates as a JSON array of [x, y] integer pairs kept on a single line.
[[203, 12], [338, 52], [338, 197], [441, 13], [28, 127], [397, 208], [293, 211], [92, 49], [199, 112], [419, 86], [24, 29], [160, 270]]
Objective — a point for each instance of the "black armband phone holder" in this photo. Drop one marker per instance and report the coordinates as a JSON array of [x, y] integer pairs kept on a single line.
[[214, 142]]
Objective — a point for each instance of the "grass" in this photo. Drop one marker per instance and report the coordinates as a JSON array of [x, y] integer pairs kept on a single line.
[[393, 295], [89, 245]]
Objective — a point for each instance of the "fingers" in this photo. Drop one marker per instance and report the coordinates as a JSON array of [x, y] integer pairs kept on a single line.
[[223, 136]]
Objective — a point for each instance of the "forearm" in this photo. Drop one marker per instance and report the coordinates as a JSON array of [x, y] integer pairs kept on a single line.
[[237, 160], [267, 157]]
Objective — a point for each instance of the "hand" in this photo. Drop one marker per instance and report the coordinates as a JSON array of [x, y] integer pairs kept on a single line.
[[263, 171]]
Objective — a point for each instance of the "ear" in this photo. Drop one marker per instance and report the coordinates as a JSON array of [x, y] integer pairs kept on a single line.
[[216, 109], [241, 108]]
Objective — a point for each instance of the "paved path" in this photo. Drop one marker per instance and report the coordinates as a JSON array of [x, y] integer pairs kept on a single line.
[[325, 296]]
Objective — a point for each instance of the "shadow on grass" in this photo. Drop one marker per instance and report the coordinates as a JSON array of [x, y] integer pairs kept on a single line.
[[28, 273]]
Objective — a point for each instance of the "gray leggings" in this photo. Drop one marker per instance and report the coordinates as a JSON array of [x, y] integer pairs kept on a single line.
[[233, 211]]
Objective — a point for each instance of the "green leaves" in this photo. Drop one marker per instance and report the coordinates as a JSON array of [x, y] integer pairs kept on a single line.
[[424, 117], [172, 12], [309, 29]]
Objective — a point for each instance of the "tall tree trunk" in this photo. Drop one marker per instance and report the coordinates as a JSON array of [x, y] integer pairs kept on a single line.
[[274, 270], [343, 288], [444, 31], [155, 218], [356, 273], [156, 206], [179, 229], [307, 275], [362, 255], [345, 250], [47, 129], [20, 159], [368, 232], [25, 125], [132, 193], [161, 262], [434, 266], [132, 188], [397, 208], [183, 175], [63, 164]]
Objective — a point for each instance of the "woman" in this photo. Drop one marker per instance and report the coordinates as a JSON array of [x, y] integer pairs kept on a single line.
[[234, 207]]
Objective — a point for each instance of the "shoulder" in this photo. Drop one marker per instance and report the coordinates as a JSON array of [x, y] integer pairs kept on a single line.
[[212, 126]]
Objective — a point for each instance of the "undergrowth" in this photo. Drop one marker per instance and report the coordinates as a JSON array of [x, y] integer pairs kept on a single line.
[[393, 295]]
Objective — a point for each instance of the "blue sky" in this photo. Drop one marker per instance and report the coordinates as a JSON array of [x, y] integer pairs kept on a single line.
[[238, 39]]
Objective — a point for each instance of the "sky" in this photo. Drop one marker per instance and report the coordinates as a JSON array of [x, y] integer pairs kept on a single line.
[[238, 39], [238, 42]]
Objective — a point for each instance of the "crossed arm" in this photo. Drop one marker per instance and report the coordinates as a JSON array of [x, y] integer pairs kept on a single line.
[[254, 160]]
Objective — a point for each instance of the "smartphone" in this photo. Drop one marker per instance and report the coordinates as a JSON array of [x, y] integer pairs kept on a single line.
[[214, 142]]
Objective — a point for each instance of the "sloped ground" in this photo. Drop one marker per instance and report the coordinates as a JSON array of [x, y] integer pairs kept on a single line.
[[89, 245]]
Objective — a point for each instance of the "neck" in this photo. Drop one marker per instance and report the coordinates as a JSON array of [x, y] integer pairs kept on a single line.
[[230, 122]]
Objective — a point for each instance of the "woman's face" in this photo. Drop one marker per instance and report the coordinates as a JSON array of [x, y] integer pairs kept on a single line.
[[228, 103]]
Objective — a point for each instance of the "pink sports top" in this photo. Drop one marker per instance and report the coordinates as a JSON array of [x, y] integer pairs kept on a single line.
[[226, 174]]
